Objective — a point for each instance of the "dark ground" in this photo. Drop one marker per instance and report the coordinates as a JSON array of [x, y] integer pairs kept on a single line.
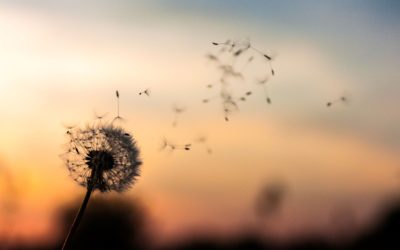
[[117, 224]]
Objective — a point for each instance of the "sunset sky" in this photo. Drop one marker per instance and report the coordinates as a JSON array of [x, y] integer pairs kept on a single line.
[[61, 61]]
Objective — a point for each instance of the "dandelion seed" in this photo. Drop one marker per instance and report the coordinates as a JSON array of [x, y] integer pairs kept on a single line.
[[104, 158], [145, 92], [238, 52], [263, 82], [229, 72], [207, 100], [164, 144], [177, 111], [249, 60], [227, 42], [203, 140], [232, 47], [117, 94], [68, 127], [243, 98], [222, 50], [210, 86], [99, 116], [172, 146], [270, 64], [212, 57], [228, 103], [268, 57], [342, 99], [244, 47], [117, 118]]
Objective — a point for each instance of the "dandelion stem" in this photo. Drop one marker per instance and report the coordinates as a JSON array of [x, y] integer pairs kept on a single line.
[[78, 217]]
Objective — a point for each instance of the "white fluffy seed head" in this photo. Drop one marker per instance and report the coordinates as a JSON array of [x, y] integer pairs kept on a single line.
[[106, 149]]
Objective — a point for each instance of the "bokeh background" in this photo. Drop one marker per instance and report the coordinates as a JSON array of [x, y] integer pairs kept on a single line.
[[324, 172]]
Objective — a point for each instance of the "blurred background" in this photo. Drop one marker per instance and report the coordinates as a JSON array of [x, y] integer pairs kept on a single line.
[[291, 174]]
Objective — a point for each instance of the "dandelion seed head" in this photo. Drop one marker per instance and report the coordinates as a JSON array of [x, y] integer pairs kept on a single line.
[[104, 156]]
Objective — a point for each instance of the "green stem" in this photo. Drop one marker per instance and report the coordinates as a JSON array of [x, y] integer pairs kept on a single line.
[[78, 217]]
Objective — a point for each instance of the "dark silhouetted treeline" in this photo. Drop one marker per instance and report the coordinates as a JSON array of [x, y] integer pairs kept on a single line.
[[120, 224]]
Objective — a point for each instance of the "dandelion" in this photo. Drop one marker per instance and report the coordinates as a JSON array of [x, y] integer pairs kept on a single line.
[[102, 157]]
